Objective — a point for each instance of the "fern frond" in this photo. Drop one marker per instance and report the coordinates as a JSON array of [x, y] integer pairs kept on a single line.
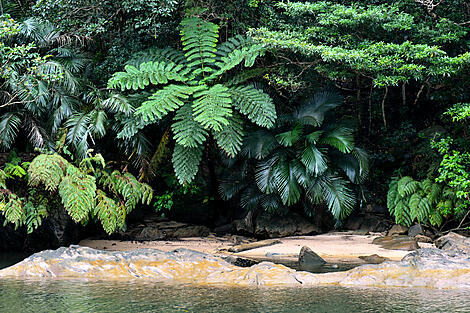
[[230, 139], [77, 192], [233, 52], [199, 40], [117, 103], [212, 107], [111, 214], [420, 207], [158, 72], [187, 132], [402, 215], [407, 186], [186, 162], [48, 170], [255, 104], [12, 208], [393, 196], [165, 100]]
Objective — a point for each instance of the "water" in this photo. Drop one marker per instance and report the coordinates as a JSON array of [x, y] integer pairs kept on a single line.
[[18, 296]]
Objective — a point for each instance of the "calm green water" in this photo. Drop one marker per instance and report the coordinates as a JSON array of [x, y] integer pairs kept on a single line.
[[81, 296], [38, 296]]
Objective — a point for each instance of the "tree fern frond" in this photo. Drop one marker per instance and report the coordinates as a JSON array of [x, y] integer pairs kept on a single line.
[[230, 139], [312, 111], [12, 208], [158, 72], [199, 40], [212, 107], [187, 132], [255, 104], [186, 162], [165, 100]]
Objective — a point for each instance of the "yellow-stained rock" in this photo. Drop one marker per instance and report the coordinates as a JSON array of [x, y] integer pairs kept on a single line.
[[424, 268]]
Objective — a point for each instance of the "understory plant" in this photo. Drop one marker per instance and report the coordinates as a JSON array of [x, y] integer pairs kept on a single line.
[[196, 84], [90, 190], [306, 159]]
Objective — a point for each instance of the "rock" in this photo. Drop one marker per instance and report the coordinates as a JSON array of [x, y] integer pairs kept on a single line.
[[415, 230], [373, 259], [397, 230], [429, 267], [353, 223], [309, 261], [455, 242], [396, 243], [272, 226], [422, 238]]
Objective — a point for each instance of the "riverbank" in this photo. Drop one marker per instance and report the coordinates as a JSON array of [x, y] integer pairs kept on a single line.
[[335, 247]]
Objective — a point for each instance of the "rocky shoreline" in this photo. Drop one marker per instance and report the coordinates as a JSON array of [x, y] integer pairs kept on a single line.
[[427, 267]]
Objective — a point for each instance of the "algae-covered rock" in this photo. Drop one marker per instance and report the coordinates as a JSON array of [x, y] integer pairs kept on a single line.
[[430, 267]]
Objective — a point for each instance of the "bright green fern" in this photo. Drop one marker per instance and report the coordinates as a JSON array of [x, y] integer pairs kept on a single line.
[[195, 84]]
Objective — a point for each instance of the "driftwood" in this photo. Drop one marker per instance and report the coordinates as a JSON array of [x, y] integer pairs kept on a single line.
[[254, 245]]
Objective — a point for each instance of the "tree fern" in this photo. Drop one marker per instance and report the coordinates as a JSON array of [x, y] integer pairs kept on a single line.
[[196, 79]]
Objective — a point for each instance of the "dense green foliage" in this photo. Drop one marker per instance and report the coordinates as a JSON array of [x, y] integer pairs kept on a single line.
[[306, 157], [81, 190], [261, 104], [204, 100]]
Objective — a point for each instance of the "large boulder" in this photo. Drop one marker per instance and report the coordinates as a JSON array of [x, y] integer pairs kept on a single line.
[[430, 268], [415, 230], [455, 242], [309, 261], [397, 230], [274, 226], [367, 223]]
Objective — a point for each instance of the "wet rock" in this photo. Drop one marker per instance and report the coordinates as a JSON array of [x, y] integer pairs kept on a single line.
[[429, 267], [309, 261], [415, 230], [169, 230], [396, 243], [373, 259], [376, 209], [397, 230], [273, 226], [455, 242], [422, 238]]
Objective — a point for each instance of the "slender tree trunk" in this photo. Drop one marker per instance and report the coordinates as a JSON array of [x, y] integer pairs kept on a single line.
[[403, 94], [1, 7], [383, 108], [370, 106]]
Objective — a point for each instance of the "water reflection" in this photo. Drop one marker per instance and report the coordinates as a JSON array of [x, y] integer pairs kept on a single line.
[[83, 296]]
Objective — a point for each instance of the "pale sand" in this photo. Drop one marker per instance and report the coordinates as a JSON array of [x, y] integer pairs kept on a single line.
[[333, 247]]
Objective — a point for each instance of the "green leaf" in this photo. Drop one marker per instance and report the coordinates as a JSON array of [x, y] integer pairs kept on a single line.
[[212, 107]]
